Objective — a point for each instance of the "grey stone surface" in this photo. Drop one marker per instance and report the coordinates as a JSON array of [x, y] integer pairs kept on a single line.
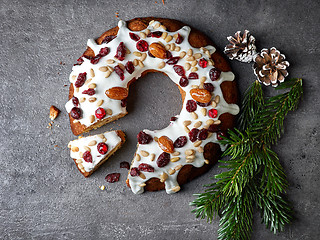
[[42, 194]]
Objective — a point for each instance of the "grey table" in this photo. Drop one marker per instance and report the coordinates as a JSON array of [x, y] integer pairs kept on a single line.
[[42, 194]]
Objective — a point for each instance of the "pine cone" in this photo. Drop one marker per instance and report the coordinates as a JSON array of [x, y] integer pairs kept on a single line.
[[241, 48], [270, 67]]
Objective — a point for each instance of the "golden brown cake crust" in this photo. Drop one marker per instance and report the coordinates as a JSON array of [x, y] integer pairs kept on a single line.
[[212, 151]]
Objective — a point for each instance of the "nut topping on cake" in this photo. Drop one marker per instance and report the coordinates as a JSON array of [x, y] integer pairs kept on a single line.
[[158, 50]]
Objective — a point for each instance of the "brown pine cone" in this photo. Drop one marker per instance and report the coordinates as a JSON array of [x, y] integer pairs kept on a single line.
[[270, 67], [241, 48]]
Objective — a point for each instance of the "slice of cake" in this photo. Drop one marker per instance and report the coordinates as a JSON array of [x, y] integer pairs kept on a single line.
[[90, 152]]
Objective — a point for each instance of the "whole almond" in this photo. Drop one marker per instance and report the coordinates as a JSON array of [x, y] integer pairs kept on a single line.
[[117, 93], [200, 95], [166, 144], [157, 50]]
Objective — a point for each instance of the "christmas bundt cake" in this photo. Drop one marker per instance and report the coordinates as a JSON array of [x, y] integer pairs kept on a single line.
[[189, 146]]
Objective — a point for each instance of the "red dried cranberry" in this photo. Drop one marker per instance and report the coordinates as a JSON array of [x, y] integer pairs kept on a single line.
[[102, 148], [108, 39], [75, 113], [193, 134], [203, 63], [193, 76], [104, 51], [121, 52], [75, 101], [214, 128], [89, 91], [191, 106], [95, 59], [124, 102], [134, 37], [169, 55], [208, 86], [179, 39], [125, 165], [180, 142], [163, 159], [134, 172], [129, 67], [100, 113], [144, 138], [145, 167], [203, 134], [214, 74], [179, 70], [173, 60], [142, 46], [172, 119], [80, 79], [113, 177], [119, 71], [79, 61], [221, 134], [183, 82], [150, 54], [156, 34], [203, 104], [87, 156], [213, 113]]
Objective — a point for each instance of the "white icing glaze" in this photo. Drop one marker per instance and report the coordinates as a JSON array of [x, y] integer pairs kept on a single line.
[[175, 129], [112, 140]]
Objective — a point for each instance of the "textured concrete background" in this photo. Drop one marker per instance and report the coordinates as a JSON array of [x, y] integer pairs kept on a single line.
[[42, 194]]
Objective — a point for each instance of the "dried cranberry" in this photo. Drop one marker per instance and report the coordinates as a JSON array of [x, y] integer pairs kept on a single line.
[[203, 104], [104, 51], [156, 34], [163, 159], [183, 82], [129, 67], [113, 177], [121, 52], [144, 138], [134, 37], [87, 156], [203, 134], [193, 76], [172, 119], [75, 113], [203, 63], [208, 86], [89, 91], [142, 46], [179, 39], [150, 54], [173, 60], [79, 61], [221, 134], [75, 101], [95, 59], [102, 148], [125, 165], [134, 172], [145, 167], [191, 106], [108, 39], [179, 70], [124, 102], [213, 113], [169, 55], [193, 134], [100, 113], [214, 128], [119, 71], [80, 79], [180, 142], [214, 74]]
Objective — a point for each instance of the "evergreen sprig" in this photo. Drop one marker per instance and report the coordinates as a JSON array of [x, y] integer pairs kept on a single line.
[[253, 175]]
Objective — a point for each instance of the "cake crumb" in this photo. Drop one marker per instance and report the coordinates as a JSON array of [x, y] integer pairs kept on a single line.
[[102, 187]]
